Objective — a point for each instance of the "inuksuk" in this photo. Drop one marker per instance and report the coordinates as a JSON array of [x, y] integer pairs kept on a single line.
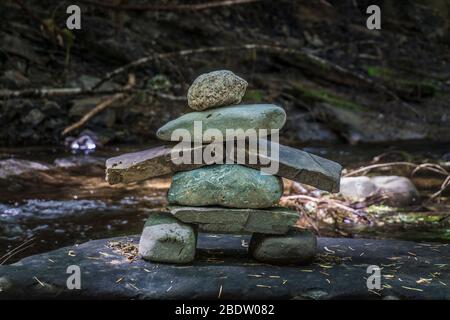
[[223, 193]]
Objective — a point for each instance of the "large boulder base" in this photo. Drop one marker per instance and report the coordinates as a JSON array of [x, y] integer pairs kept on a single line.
[[228, 185], [252, 116], [224, 269], [238, 221], [293, 164], [166, 239], [297, 247], [215, 89]]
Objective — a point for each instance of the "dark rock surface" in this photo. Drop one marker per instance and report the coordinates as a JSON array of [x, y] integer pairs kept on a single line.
[[222, 262]]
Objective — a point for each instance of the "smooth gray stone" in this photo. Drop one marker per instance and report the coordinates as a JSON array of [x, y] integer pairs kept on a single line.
[[296, 247], [166, 239], [253, 116], [227, 185], [294, 164], [229, 220], [216, 89], [398, 191], [222, 262], [357, 188]]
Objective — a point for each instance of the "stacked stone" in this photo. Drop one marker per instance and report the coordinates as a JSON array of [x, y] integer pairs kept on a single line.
[[225, 198]]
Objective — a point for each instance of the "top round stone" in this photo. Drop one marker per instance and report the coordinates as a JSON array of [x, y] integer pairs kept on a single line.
[[216, 89]]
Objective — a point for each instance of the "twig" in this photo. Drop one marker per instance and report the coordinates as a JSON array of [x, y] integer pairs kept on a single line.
[[378, 166], [57, 92], [333, 203], [262, 47], [444, 186], [14, 251], [101, 106], [180, 7]]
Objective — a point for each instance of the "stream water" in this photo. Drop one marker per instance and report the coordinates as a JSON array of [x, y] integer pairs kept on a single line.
[[71, 203]]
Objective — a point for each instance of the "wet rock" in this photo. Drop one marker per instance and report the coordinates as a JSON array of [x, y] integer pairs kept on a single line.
[[230, 220], [254, 116], [34, 117], [14, 79], [216, 89], [399, 191], [225, 255], [79, 161], [296, 247], [225, 185], [357, 187], [166, 239], [14, 167]]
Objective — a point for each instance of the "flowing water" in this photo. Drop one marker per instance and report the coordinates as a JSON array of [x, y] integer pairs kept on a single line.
[[70, 202]]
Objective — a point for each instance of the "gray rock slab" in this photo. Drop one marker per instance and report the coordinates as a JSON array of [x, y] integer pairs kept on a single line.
[[222, 262], [238, 221], [293, 164], [141, 165]]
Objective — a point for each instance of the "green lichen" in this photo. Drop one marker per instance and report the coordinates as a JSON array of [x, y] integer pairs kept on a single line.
[[255, 96], [396, 80], [328, 97]]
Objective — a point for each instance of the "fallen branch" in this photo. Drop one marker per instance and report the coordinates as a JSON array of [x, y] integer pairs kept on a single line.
[[58, 92], [262, 47], [25, 245], [378, 166], [179, 7], [427, 166], [328, 202], [100, 107]]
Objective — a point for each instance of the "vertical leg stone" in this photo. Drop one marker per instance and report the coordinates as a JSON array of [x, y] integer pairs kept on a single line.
[[298, 246], [166, 239]]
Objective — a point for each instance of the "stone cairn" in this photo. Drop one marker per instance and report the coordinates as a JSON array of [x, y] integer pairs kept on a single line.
[[225, 198]]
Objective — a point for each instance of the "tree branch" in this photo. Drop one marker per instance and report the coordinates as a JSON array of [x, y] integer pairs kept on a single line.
[[180, 7], [100, 107], [58, 92]]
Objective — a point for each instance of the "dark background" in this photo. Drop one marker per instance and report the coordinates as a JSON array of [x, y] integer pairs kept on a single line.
[[383, 85]]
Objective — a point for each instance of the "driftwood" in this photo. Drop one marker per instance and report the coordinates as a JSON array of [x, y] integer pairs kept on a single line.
[[101, 106]]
